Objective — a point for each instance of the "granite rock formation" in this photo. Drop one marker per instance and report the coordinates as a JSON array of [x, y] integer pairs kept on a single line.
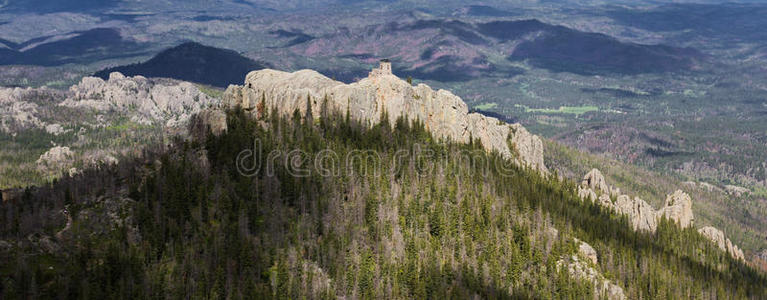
[[642, 216], [18, 110], [579, 268], [717, 236], [445, 115], [678, 208], [146, 101], [736, 191], [56, 160], [208, 121], [595, 181], [586, 251]]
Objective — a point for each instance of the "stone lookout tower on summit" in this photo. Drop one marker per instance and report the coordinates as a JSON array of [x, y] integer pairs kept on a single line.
[[383, 69]]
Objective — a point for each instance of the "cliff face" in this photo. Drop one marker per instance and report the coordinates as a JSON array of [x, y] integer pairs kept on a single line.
[[641, 214], [443, 114]]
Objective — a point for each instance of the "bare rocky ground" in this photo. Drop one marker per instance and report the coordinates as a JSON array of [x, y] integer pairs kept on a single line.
[[48, 132]]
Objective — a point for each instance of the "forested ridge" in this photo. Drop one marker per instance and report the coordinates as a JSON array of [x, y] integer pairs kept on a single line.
[[183, 222]]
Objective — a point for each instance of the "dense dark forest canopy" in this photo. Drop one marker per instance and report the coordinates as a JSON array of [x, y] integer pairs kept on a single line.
[[183, 222]]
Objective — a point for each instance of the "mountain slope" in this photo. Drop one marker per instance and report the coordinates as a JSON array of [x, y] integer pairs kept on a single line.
[[288, 194], [165, 224], [49, 6], [711, 207], [192, 62], [81, 47], [454, 50], [560, 48]]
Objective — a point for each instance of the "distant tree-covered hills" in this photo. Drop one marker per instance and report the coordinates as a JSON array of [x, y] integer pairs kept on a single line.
[[454, 50], [193, 62], [81, 47]]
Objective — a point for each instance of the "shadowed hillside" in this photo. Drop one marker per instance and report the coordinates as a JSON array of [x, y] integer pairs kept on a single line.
[[85, 47], [193, 62]]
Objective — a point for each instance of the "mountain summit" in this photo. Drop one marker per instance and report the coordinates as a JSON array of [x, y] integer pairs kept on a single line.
[[192, 62], [382, 93]]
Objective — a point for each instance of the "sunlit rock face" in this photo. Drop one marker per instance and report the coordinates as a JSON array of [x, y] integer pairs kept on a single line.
[[382, 93], [147, 101], [717, 236], [678, 208], [642, 216]]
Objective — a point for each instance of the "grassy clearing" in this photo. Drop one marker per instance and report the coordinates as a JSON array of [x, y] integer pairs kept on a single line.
[[486, 106], [573, 110]]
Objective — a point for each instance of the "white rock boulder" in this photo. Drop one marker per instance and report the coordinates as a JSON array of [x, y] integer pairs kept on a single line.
[[717, 236], [678, 208], [580, 269], [641, 214], [17, 112], [596, 181], [56, 160]]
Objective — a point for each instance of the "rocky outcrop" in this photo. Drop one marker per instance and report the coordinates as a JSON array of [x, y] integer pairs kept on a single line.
[[582, 266], [717, 236], [529, 147], [708, 187], [595, 181], [56, 160], [678, 208], [578, 268], [442, 113], [587, 194], [208, 121], [642, 216], [595, 187], [146, 101], [17, 109], [586, 251], [55, 129]]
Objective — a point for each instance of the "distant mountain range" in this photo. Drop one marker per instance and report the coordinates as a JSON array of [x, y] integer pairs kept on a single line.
[[193, 62], [453, 50], [45, 6], [430, 49], [189, 61], [77, 47], [559, 48]]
